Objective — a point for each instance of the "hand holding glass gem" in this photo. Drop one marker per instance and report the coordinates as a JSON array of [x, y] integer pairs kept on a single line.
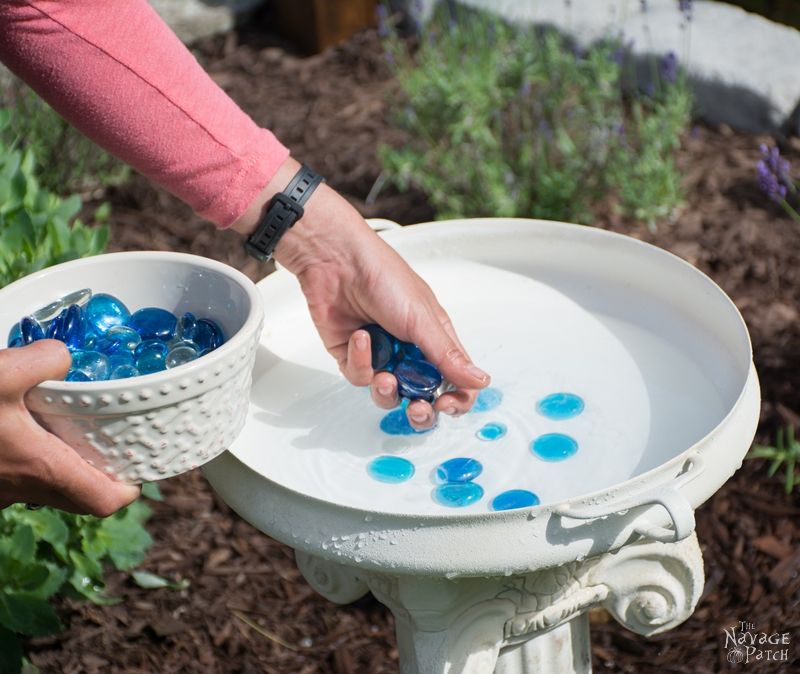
[[63, 479], [351, 277]]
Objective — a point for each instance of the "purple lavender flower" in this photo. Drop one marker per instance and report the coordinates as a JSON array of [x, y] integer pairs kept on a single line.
[[769, 182], [669, 67], [383, 20], [686, 8], [621, 52], [643, 3], [774, 173]]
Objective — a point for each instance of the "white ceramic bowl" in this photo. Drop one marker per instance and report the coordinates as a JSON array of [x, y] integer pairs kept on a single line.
[[158, 425]]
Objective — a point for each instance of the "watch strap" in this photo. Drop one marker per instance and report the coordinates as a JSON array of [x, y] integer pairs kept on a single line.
[[283, 210]]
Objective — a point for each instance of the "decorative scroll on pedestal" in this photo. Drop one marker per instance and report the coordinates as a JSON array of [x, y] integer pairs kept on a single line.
[[529, 624]]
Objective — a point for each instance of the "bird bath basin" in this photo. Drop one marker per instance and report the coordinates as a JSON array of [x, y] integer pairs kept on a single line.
[[662, 362]]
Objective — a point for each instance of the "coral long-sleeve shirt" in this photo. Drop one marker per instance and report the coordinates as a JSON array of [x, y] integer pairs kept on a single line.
[[114, 70]]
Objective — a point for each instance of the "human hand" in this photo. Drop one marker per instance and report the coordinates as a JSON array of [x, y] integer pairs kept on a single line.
[[36, 466], [351, 277]]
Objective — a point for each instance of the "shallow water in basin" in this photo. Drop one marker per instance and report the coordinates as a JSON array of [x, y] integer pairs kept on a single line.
[[641, 402]]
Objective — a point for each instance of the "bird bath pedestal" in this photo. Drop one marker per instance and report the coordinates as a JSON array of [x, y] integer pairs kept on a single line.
[[535, 623], [661, 357]]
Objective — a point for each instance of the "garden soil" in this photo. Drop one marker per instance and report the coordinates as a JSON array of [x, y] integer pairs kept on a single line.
[[247, 609]]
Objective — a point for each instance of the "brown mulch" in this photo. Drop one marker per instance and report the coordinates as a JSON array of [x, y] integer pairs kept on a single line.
[[248, 610]]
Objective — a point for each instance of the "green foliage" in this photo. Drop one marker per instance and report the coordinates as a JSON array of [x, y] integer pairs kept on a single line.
[[785, 453], [46, 551], [38, 228], [506, 121], [69, 162]]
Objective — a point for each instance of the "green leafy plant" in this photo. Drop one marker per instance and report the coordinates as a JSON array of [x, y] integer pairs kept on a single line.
[[508, 121], [69, 163], [785, 454], [47, 551], [38, 228]]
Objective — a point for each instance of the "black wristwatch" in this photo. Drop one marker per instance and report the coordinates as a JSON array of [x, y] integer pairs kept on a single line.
[[283, 210]]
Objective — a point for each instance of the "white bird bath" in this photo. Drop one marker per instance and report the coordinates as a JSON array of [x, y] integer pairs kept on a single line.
[[661, 358]]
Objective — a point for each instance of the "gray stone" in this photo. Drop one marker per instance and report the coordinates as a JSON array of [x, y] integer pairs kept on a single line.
[[743, 67], [195, 19]]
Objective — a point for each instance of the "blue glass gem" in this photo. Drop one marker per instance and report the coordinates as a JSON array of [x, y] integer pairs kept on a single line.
[[384, 347], [119, 339], [514, 498], [15, 336], [89, 337], [151, 356], [458, 495], [417, 379], [77, 375], [187, 326], [30, 330], [49, 312], [181, 354], [73, 328], [154, 323], [151, 345], [554, 447], [124, 372], [396, 423], [487, 400], [391, 469], [492, 431], [120, 359], [459, 470], [92, 364], [410, 351], [208, 335], [55, 330], [104, 312], [560, 406]]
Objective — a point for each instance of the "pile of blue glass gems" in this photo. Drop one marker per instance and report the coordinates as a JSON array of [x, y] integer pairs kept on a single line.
[[107, 341], [417, 379]]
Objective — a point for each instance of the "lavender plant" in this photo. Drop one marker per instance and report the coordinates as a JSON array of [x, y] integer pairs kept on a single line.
[[775, 178], [516, 122], [785, 453]]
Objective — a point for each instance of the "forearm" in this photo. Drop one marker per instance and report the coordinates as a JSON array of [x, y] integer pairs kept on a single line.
[[115, 71]]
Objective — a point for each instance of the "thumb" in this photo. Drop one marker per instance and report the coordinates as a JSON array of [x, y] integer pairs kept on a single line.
[[26, 366], [442, 347]]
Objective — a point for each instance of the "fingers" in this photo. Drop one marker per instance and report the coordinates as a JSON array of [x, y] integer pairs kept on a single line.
[[81, 488], [358, 365], [456, 403], [384, 391], [441, 347], [26, 366], [421, 415], [50, 472]]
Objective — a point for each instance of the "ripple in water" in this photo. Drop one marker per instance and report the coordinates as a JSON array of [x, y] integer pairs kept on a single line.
[[391, 469], [492, 431], [458, 495], [514, 498], [560, 406], [554, 447], [487, 400], [459, 470]]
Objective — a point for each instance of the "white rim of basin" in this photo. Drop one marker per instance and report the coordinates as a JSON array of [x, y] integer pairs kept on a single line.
[[644, 504]]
